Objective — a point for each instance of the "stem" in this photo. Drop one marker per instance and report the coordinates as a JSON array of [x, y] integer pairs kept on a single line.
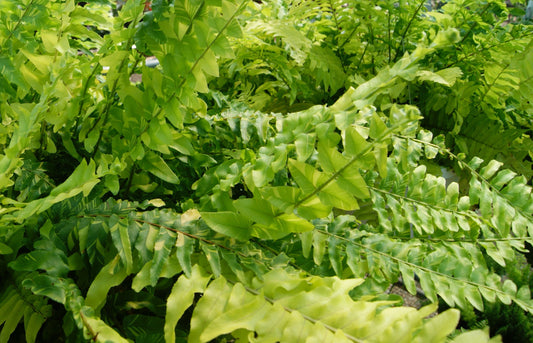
[[184, 79], [419, 202], [334, 12], [407, 29], [349, 37], [110, 102], [412, 265], [353, 160], [473, 25], [211, 43], [11, 32], [468, 240], [389, 34], [190, 235], [84, 92], [485, 49], [92, 333], [472, 171], [306, 317], [489, 86], [362, 56]]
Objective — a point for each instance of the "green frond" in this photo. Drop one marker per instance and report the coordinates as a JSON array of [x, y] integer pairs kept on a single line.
[[307, 308], [282, 166], [17, 306]]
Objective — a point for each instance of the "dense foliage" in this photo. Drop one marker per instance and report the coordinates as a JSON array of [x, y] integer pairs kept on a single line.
[[269, 180]]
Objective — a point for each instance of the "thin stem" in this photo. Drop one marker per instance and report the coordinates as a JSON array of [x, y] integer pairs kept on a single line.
[[485, 49], [419, 202], [184, 79], [190, 235], [113, 88], [489, 86], [468, 240], [337, 26], [273, 251], [362, 55], [474, 24], [84, 92], [407, 28], [306, 317], [389, 35], [92, 333], [472, 171], [11, 32], [383, 136], [349, 37], [412, 265]]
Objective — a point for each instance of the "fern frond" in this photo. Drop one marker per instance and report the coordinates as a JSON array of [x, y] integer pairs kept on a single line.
[[305, 308], [455, 271], [15, 307], [294, 41]]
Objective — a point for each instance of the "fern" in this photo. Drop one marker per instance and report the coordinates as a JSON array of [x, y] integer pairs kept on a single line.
[[269, 179]]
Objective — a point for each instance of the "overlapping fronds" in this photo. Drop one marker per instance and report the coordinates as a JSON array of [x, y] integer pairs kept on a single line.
[[270, 179]]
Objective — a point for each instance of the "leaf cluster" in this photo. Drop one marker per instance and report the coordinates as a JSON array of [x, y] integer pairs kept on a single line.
[[270, 179]]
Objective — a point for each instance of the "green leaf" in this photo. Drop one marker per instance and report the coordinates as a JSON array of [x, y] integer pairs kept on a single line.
[[331, 194], [352, 181], [119, 230], [158, 137], [289, 222], [425, 75], [164, 242], [439, 327], [304, 174], [335, 255], [213, 257], [427, 285], [381, 153], [184, 250], [408, 278], [181, 297], [49, 286], [354, 143], [111, 181], [478, 336], [5, 249], [11, 73], [377, 127], [305, 145], [111, 275], [282, 197], [52, 261], [229, 223], [334, 195], [33, 321], [257, 210], [474, 297], [306, 239], [330, 159], [143, 278], [155, 164], [445, 77], [491, 169], [319, 247], [10, 324], [105, 332], [312, 208], [82, 180], [509, 287]]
